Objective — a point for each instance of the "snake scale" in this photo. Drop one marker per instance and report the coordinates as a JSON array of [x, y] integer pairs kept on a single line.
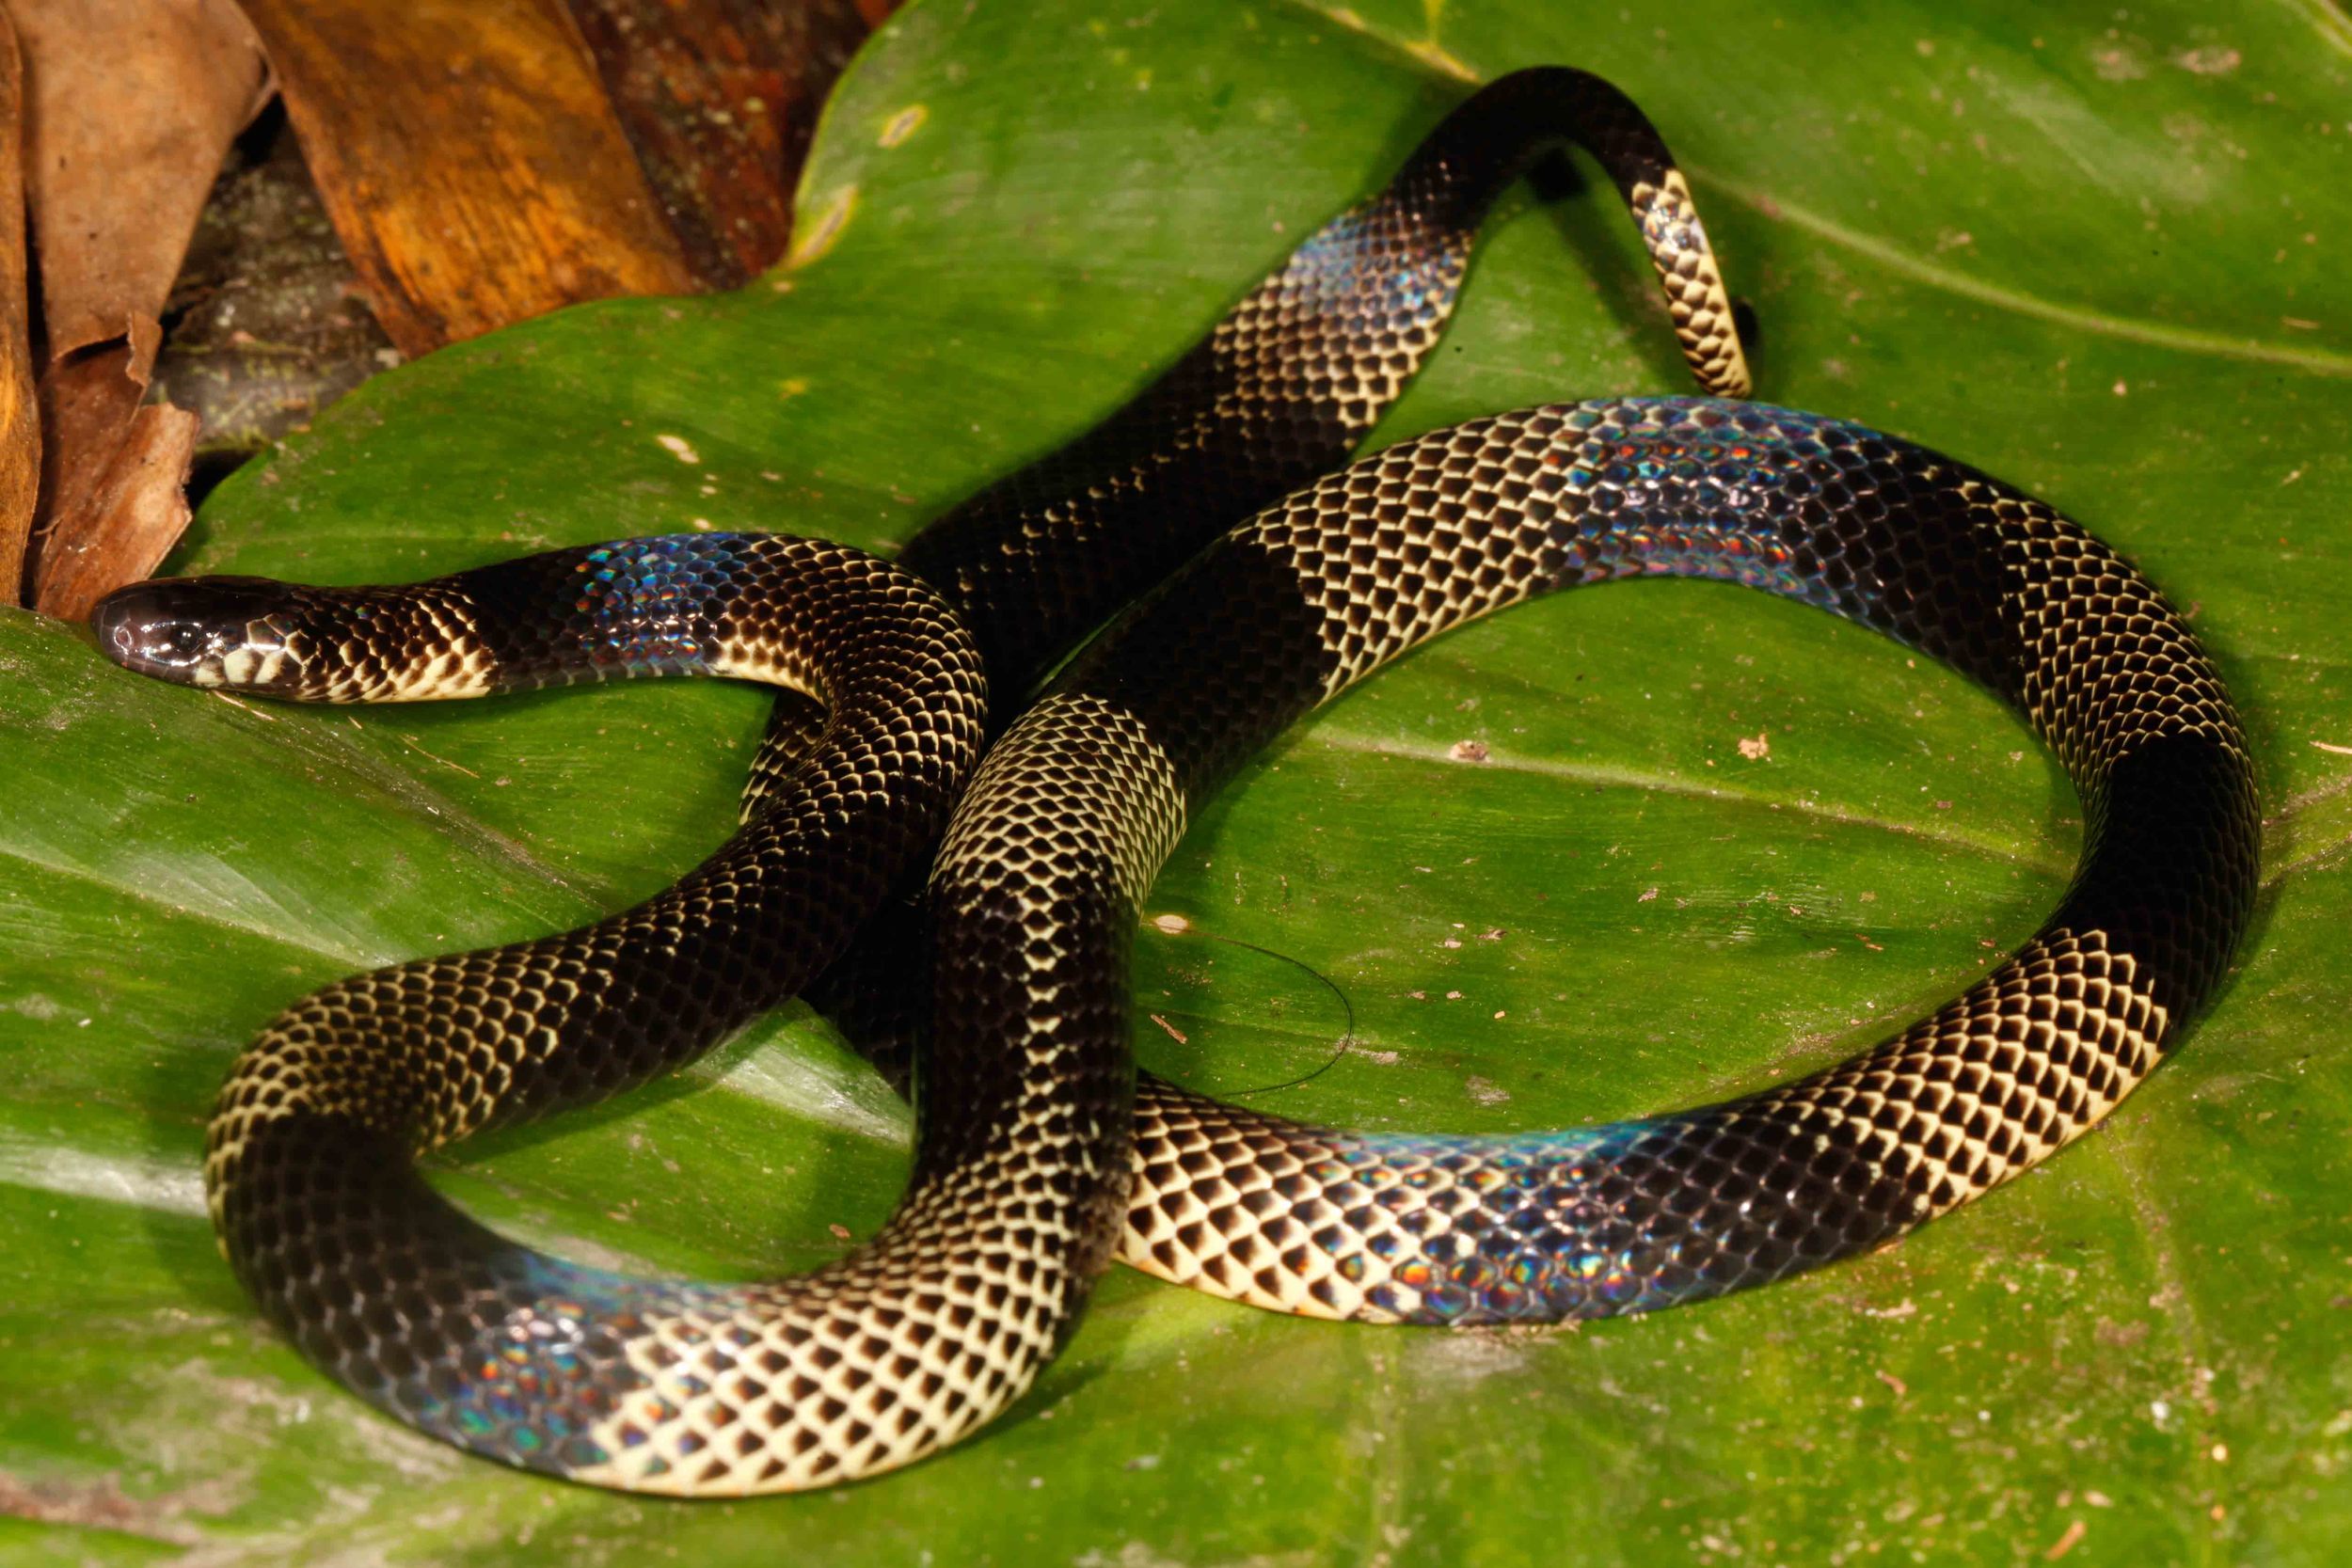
[[1039, 1152]]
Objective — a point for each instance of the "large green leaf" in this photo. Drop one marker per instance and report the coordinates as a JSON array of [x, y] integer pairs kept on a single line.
[[2101, 254]]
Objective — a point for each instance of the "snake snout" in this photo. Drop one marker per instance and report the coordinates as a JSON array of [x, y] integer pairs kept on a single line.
[[196, 631]]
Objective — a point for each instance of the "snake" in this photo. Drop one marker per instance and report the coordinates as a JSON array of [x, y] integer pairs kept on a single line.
[[1041, 1152]]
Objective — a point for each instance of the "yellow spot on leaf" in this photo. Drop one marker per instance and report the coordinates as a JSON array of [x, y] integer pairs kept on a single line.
[[823, 230]]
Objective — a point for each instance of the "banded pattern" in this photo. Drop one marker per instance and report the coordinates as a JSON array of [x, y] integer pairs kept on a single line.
[[715, 604], [1696, 300], [678, 1386], [1030, 1134], [1332, 583], [1292, 378], [1278, 392], [654, 1386]]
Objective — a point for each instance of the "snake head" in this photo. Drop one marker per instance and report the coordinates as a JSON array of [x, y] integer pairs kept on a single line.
[[200, 631]]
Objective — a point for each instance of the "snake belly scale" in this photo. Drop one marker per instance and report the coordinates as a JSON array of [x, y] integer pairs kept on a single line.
[[1037, 1152]]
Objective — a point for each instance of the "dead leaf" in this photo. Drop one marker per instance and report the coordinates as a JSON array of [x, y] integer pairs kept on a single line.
[[118, 507], [132, 103], [20, 419], [469, 159]]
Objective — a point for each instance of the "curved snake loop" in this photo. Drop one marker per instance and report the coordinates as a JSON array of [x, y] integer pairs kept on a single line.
[[1343, 576], [308, 1159]]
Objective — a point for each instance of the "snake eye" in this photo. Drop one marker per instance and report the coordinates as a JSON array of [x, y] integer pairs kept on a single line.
[[184, 639]]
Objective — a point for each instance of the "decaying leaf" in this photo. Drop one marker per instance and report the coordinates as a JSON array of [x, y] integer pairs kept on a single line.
[[131, 104], [19, 418], [469, 159], [118, 473]]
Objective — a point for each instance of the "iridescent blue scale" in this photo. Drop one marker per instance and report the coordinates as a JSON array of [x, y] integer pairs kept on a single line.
[[1526, 1241], [539, 1374], [652, 600]]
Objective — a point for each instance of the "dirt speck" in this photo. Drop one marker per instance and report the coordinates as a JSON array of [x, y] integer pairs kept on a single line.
[[101, 1504], [1467, 1356], [2213, 60], [2119, 64]]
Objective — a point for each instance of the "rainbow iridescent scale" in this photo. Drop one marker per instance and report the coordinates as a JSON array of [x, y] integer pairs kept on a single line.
[[537, 1382], [1515, 1226], [1734, 474], [648, 599]]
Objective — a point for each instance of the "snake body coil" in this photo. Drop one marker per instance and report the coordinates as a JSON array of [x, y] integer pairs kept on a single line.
[[1033, 1141], [1330, 584], [453, 1328]]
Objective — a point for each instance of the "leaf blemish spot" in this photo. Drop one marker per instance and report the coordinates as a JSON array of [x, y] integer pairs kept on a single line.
[[825, 230], [679, 448], [898, 127]]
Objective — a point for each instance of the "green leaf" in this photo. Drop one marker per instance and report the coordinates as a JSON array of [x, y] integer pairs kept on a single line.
[[2098, 253]]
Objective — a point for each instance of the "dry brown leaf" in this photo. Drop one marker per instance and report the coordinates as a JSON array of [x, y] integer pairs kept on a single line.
[[138, 510], [116, 499], [129, 107], [20, 420], [470, 160], [132, 104]]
